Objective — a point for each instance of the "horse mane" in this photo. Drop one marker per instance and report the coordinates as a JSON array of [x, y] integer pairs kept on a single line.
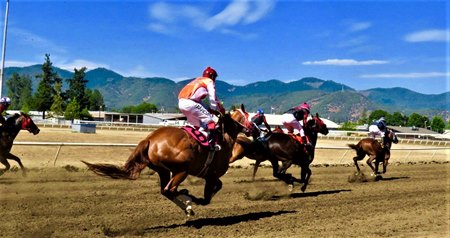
[[12, 119]]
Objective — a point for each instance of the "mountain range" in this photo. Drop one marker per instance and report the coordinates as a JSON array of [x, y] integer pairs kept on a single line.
[[330, 99]]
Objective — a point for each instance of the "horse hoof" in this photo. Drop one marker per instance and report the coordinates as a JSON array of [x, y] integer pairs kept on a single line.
[[291, 187], [189, 212]]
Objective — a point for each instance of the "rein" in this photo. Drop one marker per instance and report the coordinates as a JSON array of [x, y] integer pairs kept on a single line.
[[247, 124]]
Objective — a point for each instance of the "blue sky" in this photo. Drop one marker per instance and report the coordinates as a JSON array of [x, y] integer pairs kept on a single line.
[[362, 44]]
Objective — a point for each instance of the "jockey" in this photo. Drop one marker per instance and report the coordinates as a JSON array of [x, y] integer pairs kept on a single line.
[[258, 119], [378, 127], [4, 104], [291, 118], [190, 104]]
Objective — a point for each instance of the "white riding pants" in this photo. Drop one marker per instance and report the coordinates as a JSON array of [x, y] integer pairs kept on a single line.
[[374, 131], [196, 114], [289, 120]]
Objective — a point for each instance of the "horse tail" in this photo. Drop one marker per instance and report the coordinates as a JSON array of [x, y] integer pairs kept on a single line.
[[353, 146], [137, 161]]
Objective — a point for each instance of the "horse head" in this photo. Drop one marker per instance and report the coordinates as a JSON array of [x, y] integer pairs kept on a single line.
[[317, 125], [241, 117], [26, 123], [392, 137]]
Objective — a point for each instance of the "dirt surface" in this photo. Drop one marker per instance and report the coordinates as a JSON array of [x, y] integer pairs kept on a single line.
[[65, 200]]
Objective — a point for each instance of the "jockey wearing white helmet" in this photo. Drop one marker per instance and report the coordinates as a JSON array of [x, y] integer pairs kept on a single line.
[[4, 104]]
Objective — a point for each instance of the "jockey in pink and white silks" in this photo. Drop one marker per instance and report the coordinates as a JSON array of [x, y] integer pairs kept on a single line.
[[190, 104], [291, 118], [378, 127]]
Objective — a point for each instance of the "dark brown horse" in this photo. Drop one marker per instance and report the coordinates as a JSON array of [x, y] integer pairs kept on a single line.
[[374, 150], [174, 154], [282, 147], [8, 133]]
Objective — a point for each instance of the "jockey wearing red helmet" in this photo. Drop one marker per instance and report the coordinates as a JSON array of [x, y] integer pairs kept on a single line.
[[292, 117], [190, 103]]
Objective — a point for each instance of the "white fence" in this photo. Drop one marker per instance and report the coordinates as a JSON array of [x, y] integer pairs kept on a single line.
[[347, 149]]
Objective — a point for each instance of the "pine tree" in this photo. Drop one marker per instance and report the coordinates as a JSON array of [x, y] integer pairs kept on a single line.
[[43, 98]]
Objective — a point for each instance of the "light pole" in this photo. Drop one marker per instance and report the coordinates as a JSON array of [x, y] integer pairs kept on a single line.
[[4, 47]]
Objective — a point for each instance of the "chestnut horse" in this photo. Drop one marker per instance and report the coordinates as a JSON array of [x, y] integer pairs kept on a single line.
[[373, 149], [174, 154], [8, 133], [282, 147]]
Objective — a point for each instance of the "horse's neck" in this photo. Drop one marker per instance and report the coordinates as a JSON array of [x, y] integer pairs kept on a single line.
[[11, 131]]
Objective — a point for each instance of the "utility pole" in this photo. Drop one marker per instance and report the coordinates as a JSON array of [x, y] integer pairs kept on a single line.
[[4, 47]]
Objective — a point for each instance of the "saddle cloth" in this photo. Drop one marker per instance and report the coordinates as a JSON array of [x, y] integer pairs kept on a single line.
[[199, 135]]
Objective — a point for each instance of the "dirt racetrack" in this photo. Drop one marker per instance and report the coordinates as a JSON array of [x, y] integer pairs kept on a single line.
[[65, 200]]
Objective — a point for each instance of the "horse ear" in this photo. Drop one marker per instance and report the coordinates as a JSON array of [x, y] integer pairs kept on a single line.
[[317, 114], [242, 107]]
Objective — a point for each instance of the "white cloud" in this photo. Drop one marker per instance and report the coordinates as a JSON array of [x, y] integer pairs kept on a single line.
[[345, 62], [78, 64], [139, 71], [428, 35], [359, 26], [407, 75], [35, 41], [168, 18], [17, 63]]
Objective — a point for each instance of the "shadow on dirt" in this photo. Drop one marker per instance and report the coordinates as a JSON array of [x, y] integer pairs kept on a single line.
[[224, 221], [315, 194], [394, 178]]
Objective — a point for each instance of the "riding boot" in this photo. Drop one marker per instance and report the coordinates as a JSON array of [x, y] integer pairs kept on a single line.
[[212, 140], [382, 142]]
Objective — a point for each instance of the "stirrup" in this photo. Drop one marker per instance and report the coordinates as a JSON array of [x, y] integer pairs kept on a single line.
[[215, 147]]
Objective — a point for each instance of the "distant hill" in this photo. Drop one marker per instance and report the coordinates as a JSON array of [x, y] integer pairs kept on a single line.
[[331, 100]]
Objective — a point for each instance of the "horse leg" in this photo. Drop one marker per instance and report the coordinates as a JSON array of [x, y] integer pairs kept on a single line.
[[212, 186], [356, 159], [169, 189], [369, 162], [5, 163], [387, 156], [17, 159], [305, 176], [255, 168]]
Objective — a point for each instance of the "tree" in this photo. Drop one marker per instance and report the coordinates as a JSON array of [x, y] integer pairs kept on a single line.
[[364, 119], [437, 124], [43, 98], [19, 90], [141, 108], [77, 88], [398, 119], [57, 107], [96, 102], [417, 120], [72, 110], [375, 115]]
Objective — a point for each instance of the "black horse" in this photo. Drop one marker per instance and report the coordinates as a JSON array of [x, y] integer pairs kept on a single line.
[[285, 148], [8, 133]]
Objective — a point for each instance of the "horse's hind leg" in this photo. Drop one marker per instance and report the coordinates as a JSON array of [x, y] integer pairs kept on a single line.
[[359, 156], [17, 159], [168, 189], [5, 163], [212, 186]]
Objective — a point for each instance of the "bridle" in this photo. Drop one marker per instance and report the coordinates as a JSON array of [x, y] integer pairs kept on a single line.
[[246, 124]]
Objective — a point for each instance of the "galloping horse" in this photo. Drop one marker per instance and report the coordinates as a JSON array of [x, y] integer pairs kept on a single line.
[[174, 154], [8, 133], [282, 147], [373, 149]]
